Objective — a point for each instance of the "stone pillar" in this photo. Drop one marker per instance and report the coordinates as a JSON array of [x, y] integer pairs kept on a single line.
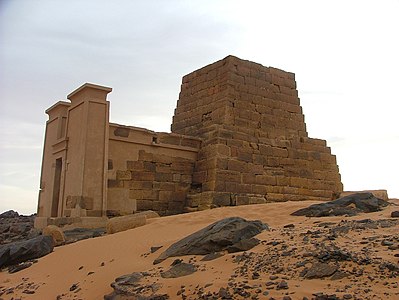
[[54, 150], [86, 161]]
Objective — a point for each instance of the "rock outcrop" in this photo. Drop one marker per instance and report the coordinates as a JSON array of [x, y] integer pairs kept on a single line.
[[15, 227], [14, 253], [349, 205], [231, 234]]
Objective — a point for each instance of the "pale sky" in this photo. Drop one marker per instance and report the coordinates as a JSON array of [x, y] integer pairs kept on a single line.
[[344, 54]]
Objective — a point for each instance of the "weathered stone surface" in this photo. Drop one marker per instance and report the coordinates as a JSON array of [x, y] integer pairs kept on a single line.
[[320, 270], [17, 252], [125, 222], [348, 205], [229, 232], [56, 233], [179, 270]]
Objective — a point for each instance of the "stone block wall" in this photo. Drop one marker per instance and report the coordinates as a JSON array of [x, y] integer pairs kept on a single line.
[[149, 170], [255, 146]]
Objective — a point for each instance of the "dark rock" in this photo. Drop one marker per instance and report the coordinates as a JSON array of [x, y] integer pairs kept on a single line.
[[128, 287], [348, 205], [289, 226], [19, 267], [176, 262], [320, 270], [321, 296], [14, 227], [212, 256], [386, 243], [216, 237], [395, 214], [14, 253], [339, 275], [179, 270], [155, 248], [243, 245], [282, 285], [78, 234], [9, 214]]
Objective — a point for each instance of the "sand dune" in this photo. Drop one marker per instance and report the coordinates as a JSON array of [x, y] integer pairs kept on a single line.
[[85, 270]]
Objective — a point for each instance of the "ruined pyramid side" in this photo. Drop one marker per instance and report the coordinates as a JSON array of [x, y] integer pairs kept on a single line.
[[255, 146]]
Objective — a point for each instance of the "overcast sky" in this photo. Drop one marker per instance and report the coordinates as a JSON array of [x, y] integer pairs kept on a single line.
[[344, 54]]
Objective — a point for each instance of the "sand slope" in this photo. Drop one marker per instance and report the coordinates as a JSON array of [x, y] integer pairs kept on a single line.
[[90, 266]]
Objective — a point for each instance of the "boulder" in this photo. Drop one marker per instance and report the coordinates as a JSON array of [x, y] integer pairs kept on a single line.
[[179, 270], [227, 234], [349, 205], [14, 253], [56, 233], [123, 223], [395, 214], [320, 270]]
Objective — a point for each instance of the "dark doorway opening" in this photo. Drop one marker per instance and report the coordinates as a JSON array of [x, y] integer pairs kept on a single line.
[[56, 187]]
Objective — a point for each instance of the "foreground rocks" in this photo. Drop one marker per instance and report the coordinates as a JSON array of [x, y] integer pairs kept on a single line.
[[15, 253], [131, 287], [231, 234], [14, 227], [349, 205], [322, 251]]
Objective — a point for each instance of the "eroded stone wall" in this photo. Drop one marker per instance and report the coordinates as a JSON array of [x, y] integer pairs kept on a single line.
[[149, 170], [255, 145]]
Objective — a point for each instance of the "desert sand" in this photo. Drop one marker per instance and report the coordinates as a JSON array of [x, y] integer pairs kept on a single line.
[[85, 270]]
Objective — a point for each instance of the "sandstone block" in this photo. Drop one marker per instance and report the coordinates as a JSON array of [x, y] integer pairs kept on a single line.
[[56, 233], [123, 223], [123, 175]]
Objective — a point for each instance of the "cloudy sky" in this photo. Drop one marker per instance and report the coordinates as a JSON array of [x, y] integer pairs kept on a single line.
[[344, 54]]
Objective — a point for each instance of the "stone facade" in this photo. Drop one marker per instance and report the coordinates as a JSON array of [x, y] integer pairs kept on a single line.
[[238, 137]]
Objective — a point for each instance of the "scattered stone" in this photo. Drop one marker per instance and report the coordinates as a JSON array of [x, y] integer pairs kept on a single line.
[[289, 226], [282, 285], [395, 214], [230, 232], [128, 287], [349, 205]]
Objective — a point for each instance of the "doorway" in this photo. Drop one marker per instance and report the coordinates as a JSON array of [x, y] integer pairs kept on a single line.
[[56, 187]]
